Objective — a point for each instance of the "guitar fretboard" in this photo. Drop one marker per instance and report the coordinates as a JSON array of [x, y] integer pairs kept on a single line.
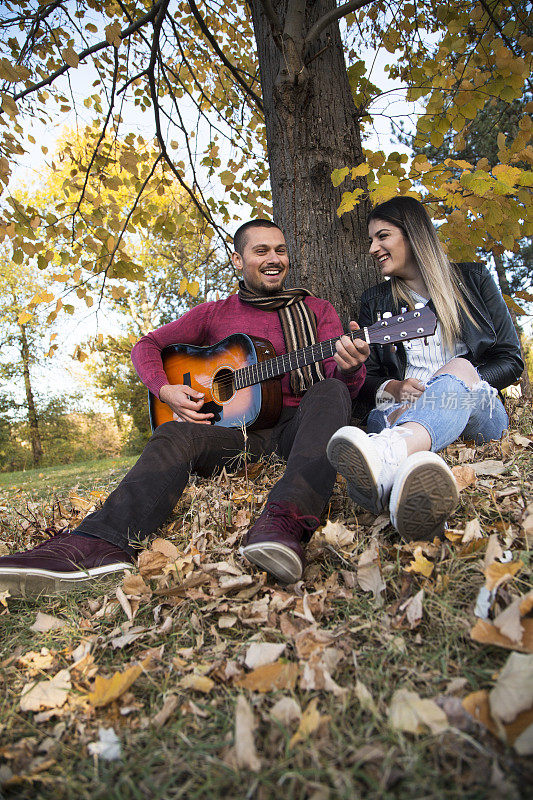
[[274, 367]]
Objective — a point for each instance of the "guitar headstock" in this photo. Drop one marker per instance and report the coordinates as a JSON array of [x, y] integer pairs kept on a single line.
[[401, 327]]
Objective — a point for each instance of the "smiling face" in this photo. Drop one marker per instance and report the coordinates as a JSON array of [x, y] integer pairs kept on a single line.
[[391, 249], [264, 261]]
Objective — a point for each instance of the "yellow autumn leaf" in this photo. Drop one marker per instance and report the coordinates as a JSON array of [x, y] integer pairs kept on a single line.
[[106, 690], [348, 201], [339, 175], [193, 288], [198, 683], [183, 286], [420, 564], [24, 318], [360, 170], [310, 721]]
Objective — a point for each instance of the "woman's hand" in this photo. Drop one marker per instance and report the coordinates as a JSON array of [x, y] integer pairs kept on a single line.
[[407, 390], [185, 403]]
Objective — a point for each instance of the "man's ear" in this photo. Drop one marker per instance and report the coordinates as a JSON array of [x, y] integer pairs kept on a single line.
[[237, 260]]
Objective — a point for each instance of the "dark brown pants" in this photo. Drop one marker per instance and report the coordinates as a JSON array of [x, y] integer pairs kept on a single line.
[[147, 494]]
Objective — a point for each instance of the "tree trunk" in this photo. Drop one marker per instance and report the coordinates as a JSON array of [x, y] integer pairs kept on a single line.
[[525, 384], [312, 128], [33, 422]]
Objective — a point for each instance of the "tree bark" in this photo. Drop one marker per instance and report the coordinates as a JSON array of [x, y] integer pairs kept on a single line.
[[33, 422], [525, 384], [312, 128]]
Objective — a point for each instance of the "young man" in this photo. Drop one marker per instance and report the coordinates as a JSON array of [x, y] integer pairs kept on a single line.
[[316, 402]]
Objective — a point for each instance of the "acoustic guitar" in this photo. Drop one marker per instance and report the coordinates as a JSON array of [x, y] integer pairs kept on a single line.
[[239, 376]]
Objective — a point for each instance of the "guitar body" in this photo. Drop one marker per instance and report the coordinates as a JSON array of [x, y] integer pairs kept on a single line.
[[239, 376], [209, 370]]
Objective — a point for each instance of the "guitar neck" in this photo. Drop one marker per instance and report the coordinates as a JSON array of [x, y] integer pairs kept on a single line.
[[274, 367]]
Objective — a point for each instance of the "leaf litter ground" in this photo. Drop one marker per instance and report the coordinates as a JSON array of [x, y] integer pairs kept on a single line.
[[392, 670]]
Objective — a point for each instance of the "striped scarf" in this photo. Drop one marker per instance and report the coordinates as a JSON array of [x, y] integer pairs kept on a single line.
[[298, 323]]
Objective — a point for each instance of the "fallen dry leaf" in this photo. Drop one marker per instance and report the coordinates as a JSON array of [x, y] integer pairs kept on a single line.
[[509, 621], [133, 585], [245, 752], [527, 524], [489, 467], [513, 692], [45, 622], [464, 476], [46, 694], [125, 603], [309, 723], [364, 696], [413, 609], [151, 563], [279, 675], [420, 564], [518, 733], [165, 547], [105, 690], [494, 551], [286, 711], [337, 534], [166, 711], [261, 653], [369, 575], [226, 621], [485, 632], [497, 574], [198, 683], [472, 531], [411, 713]]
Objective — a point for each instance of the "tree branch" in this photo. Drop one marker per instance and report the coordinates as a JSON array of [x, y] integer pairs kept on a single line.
[[214, 44], [99, 142], [331, 16], [139, 23], [159, 134]]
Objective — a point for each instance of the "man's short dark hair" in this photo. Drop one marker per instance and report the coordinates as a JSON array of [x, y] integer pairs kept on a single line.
[[240, 238]]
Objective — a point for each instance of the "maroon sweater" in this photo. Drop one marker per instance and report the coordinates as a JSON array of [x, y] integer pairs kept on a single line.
[[208, 323]]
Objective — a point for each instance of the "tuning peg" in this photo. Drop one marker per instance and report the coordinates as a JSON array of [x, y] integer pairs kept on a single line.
[[419, 305], [386, 314], [404, 310]]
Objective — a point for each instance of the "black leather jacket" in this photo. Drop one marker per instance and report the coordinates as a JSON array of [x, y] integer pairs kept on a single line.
[[493, 346]]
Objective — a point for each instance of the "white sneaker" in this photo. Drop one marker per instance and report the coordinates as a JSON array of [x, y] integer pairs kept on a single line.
[[423, 496], [369, 462]]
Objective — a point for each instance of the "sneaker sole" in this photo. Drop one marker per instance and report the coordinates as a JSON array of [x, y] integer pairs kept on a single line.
[[424, 495], [348, 458], [35, 582], [276, 559]]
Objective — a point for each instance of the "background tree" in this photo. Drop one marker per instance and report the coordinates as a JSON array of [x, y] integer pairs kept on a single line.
[[452, 59], [21, 339]]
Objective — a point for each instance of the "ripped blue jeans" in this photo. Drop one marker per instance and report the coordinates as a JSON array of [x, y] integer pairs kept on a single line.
[[449, 409]]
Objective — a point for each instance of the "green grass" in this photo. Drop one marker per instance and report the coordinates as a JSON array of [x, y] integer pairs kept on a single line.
[[84, 474], [186, 757]]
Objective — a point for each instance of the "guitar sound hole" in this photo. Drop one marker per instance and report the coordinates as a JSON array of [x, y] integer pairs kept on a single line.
[[223, 388]]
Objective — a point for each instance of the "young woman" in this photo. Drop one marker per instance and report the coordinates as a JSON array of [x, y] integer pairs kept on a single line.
[[425, 393]]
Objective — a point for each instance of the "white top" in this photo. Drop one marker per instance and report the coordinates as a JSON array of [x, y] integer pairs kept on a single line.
[[423, 360]]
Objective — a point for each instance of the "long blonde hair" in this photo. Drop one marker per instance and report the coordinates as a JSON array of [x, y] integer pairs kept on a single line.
[[438, 274]]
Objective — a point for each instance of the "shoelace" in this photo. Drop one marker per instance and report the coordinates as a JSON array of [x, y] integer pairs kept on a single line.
[[389, 437], [62, 534]]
